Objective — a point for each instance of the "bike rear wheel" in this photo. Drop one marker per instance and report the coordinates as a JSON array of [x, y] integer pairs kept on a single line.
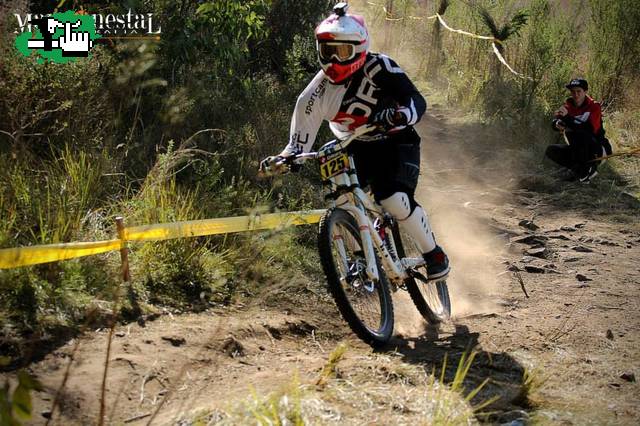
[[365, 305], [432, 298]]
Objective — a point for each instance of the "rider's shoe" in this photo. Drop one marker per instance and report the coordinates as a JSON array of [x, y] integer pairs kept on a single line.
[[437, 264]]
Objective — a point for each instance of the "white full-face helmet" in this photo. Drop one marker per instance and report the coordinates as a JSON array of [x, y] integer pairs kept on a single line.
[[342, 41]]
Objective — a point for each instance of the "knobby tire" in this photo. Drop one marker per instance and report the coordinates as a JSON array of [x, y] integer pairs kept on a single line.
[[433, 314], [347, 295]]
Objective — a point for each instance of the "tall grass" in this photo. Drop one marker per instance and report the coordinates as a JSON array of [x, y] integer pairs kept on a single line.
[[54, 197], [547, 41]]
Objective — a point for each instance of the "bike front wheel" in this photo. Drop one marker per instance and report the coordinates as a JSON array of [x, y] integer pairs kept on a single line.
[[431, 298], [365, 305]]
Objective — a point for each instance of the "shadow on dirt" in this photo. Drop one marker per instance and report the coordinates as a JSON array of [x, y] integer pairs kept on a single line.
[[25, 349], [505, 373], [34, 346]]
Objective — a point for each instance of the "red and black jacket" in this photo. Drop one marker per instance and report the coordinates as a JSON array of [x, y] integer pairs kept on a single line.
[[586, 118]]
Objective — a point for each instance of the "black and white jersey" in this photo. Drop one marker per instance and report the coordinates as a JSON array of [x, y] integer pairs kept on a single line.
[[379, 84]]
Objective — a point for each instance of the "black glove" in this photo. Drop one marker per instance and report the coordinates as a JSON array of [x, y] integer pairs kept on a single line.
[[389, 118], [267, 165], [269, 162]]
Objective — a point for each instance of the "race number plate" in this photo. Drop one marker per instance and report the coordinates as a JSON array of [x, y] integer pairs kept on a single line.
[[334, 165]]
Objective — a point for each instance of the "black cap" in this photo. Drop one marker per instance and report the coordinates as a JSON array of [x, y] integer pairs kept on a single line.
[[578, 82]]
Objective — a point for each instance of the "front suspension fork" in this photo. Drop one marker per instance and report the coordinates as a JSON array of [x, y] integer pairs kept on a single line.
[[370, 239]]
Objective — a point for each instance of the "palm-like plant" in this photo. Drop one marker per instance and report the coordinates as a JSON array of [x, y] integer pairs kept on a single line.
[[504, 32], [444, 4]]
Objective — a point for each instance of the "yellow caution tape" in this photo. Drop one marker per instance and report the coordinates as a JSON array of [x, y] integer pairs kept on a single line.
[[24, 256], [389, 17], [494, 41], [466, 33], [501, 59], [197, 228]]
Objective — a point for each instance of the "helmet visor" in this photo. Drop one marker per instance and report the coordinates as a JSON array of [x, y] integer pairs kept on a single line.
[[339, 52]]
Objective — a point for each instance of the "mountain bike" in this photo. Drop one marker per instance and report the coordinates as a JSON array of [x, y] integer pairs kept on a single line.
[[363, 253]]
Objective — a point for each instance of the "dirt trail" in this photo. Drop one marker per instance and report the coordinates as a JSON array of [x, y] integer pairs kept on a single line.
[[578, 329]]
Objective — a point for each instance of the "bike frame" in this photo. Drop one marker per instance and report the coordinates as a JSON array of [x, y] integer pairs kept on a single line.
[[371, 240], [358, 204]]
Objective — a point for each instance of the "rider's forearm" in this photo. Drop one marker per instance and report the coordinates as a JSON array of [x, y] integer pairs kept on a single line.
[[413, 107], [303, 131], [412, 103], [385, 72]]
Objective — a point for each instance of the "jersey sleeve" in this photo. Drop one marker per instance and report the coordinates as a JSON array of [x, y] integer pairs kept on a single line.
[[385, 73], [307, 117]]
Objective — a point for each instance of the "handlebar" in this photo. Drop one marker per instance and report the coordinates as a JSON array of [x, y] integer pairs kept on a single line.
[[285, 164]]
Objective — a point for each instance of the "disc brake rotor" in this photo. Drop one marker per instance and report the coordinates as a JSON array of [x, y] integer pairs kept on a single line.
[[357, 277]]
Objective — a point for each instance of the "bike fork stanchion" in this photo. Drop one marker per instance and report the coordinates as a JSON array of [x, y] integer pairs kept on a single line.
[[364, 229], [339, 241], [370, 254]]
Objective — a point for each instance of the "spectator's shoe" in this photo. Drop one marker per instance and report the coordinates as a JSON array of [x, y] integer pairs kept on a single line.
[[437, 264], [591, 172]]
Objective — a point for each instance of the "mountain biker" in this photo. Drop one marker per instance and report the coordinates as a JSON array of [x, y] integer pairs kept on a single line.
[[357, 87], [580, 118]]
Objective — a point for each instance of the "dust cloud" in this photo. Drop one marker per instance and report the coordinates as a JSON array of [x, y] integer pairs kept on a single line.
[[466, 209], [473, 250]]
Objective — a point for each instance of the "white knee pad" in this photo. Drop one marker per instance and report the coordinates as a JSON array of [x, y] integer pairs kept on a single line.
[[417, 225], [413, 223], [397, 205]]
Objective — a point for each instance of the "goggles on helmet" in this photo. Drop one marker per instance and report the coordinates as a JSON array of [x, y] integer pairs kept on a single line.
[[336, 52]]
